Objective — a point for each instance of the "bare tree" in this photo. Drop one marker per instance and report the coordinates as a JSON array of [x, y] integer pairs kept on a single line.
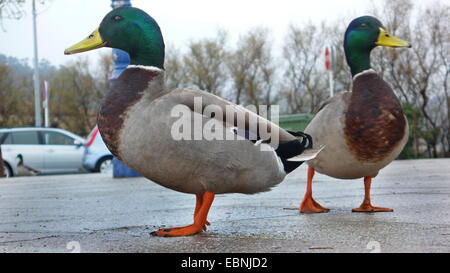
[[14, 9], [252, 68], [9, 96], [305, 79], [335, 37], [175, 71], [204, 63], [75, 97], [104, 72], [11, 9]]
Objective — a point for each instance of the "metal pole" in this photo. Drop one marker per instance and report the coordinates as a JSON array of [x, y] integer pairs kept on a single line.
[[330, 75], [37, 98], [46, 105]]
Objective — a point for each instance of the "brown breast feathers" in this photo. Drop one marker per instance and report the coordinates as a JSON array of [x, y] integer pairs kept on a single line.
[[374, 121], [124, 93]]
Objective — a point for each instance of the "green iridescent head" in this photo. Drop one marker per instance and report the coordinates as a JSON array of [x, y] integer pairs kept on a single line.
[[364, 34], [131, 30]]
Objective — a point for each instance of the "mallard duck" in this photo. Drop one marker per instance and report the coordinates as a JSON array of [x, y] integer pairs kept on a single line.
[[362, 130], [25, 170], [136, 120]]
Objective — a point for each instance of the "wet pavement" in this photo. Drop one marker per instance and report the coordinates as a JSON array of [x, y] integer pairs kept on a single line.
[[96, 213]]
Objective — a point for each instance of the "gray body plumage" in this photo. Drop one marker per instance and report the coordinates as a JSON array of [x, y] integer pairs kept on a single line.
[[145, 143]]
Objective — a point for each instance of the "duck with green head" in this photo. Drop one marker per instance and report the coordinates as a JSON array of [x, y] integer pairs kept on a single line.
[[136, 119], [363, 130], [25, 170]]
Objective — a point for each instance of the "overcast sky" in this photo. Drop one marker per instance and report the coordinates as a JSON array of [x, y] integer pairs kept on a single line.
[[65, 22]]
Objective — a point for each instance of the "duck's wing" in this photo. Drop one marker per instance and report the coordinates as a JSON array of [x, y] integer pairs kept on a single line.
[[233, 116], [25, 170], [343, 97], [31, 169]]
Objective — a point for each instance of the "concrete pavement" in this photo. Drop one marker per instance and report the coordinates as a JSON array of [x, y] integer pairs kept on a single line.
[[96, 213]]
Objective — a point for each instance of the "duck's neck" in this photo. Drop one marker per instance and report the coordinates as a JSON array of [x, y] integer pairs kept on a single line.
[[147, 57], [149, 51], [357, 59], [150, 80]]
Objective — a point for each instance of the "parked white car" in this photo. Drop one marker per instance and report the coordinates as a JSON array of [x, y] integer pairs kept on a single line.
[[48, 150]]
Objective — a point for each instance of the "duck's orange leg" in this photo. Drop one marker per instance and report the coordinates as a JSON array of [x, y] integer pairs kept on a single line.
[[309, 205], [199, 219], [366, 206], [198, 204]]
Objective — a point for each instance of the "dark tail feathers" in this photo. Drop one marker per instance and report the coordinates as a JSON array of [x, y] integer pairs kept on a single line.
[[293, 148]]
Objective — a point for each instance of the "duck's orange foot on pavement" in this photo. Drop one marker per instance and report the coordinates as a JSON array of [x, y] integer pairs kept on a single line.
[[309, 205], [178, 231], [370, 208]]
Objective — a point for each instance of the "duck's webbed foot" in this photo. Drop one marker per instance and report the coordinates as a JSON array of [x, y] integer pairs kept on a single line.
[[369, 208], [309, 205], [366, 206], [203, 204], [178, 231]]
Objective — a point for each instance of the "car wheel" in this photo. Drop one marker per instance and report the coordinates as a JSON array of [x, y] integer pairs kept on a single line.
[[8, 171], [105, 165]]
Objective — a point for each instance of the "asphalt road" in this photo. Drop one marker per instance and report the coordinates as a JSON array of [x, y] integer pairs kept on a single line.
[[96, 213]]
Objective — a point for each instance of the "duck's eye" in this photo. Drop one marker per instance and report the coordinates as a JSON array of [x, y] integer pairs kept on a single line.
[[117, 18], [364, 25]]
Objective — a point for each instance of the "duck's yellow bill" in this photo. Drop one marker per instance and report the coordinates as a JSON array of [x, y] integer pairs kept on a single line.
[[92, 42], [386, 39]]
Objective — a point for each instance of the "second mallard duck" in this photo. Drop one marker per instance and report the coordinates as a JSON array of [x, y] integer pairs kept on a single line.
[[363, 130]]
